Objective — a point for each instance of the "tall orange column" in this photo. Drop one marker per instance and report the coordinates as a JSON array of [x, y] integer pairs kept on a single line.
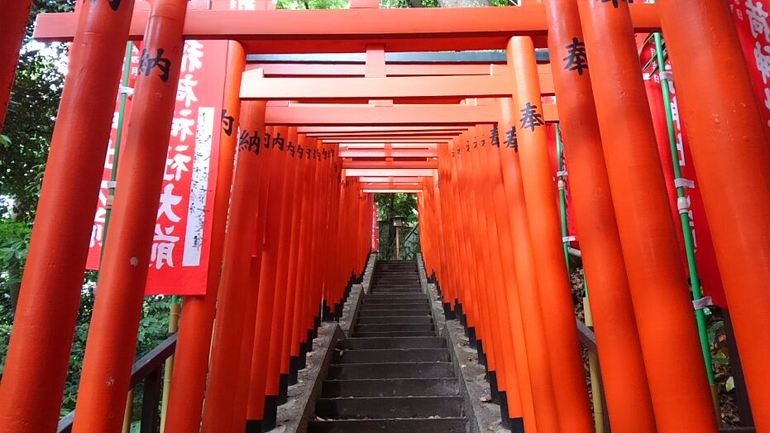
[[14, 24], [236, 281], [112, 335], [620, 353], [555, 290], [304, 170], [39, 349], [543, 392], [732, 155], [194, 345], [510, 293], [258, 408], [664, 312], [280, 289]]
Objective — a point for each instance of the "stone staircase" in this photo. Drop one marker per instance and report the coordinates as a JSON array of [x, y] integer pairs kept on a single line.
[[394, 375]]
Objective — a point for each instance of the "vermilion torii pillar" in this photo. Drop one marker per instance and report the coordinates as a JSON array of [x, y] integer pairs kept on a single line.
[[543, 392], [112, 335], [620, 353], [555, 290], [38, 356], [258, 410], [194, 346], [732, 158], [14, 24], [664, 312], [236, 280], [274, 385]]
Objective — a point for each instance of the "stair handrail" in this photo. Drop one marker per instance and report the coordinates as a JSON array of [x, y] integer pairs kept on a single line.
[[146, 369]]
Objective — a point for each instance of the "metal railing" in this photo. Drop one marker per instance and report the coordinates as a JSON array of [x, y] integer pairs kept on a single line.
[[588, 340], [148, 370]]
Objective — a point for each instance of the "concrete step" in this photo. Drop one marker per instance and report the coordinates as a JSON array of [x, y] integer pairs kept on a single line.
[[394, 327], [393, 343], [395, 306], [390, 313], [396, 281], [419, 295], [396, 277], [390, 355], [394, 334], [395, 290], [391, 370], [396, 300], [445, 425], [390, 407], [394, 375], [445, 386], [372, 320]]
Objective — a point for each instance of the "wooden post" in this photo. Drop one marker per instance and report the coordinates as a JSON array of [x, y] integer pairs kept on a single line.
[[39, 349], [544, 224], [665, 317], [236, 281], [120, 291], [194, 346], [15, 17], [731, 152], [625, 379]]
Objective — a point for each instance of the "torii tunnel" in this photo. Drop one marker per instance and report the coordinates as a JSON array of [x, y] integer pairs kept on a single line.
[[321, 109]]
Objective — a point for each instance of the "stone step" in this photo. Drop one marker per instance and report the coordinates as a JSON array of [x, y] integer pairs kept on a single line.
[[390, 355], [394, 334], [390, 313], [395, 290], [390, 407], [390, 370], [393, 343], [445, 386], [394, 327], [372, 320], [418, 295], [396, 300], [395, 306], [440, 425]]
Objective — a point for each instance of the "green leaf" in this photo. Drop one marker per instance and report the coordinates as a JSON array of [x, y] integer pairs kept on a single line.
[[5, 140], [730, 384]]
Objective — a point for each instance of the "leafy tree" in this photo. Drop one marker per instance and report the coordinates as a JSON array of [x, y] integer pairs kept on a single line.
[[397, 205], [31, 115]]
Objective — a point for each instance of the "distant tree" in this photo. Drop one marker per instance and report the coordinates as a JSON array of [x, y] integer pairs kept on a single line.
[[31, 115], [388, 207]]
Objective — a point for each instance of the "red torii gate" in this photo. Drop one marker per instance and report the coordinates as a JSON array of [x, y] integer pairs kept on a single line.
[[720, 111]]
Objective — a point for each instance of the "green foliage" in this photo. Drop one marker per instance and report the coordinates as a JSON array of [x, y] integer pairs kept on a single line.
[[388, 207], [14, 244], [13, 252], [31, 114], [312, 4]]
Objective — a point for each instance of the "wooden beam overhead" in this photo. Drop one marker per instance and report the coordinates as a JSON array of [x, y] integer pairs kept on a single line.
[[382, 153], [378, 129], [418, 115], [388, 179], [255, 86], [351, 30], [429, 164], [389, 172]]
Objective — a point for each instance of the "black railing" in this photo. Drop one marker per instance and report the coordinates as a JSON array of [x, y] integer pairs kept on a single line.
[[148, 370], [588, 340]]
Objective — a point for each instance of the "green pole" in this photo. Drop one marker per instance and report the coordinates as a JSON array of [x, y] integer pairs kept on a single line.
[[118, 137], [684, 209], [562, 194]]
